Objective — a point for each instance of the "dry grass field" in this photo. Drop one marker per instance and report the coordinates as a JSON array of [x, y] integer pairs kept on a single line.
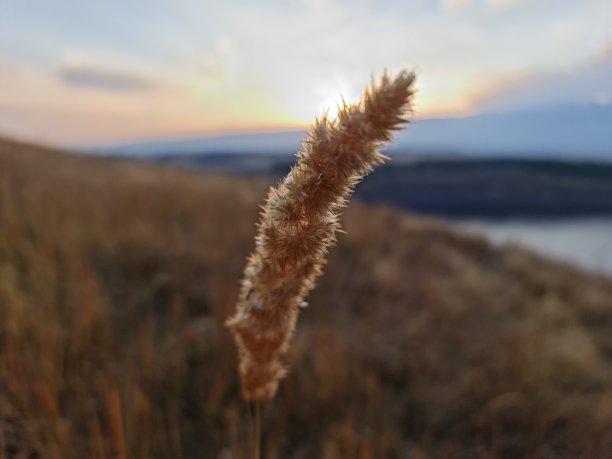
[[116, 279]]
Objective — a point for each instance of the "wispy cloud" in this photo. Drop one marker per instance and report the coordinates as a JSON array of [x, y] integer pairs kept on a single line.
[[503, 5], [91, 77], [486, 6], [587, 84], [456, 6], [7, 71]]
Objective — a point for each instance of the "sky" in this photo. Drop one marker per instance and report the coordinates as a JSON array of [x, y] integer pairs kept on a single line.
[[81, 73]]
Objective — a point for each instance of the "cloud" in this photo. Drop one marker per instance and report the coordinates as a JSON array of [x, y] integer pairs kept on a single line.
[[503, 5], [314, 5], [587, 84], [86, 76], [456, 6], [7, 72]]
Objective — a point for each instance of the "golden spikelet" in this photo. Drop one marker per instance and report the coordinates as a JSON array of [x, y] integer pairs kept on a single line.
[[299, 222]]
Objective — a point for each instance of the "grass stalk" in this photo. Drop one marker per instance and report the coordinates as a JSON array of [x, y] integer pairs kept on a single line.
[[298, 225]]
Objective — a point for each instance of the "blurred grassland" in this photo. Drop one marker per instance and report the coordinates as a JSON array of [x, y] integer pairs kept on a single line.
[[116, 279]]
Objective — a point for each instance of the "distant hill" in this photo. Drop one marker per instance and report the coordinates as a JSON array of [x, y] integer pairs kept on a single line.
[[283, 142], [494, 188], [570, 131], [116, 279], [462, 187]]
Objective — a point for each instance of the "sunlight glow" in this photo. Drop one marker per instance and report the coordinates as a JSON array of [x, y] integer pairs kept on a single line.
[[329, 98]]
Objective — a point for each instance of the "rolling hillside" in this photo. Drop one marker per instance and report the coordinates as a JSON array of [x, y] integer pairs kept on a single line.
[[419, 342]]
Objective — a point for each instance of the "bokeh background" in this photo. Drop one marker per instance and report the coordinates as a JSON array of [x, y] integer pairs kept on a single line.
[[465, 314], [76, 73]]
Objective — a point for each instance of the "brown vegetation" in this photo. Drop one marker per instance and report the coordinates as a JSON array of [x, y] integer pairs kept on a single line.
[[116, 279]]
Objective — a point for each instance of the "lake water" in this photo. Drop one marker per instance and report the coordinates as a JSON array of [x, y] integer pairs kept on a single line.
[[586, 242]]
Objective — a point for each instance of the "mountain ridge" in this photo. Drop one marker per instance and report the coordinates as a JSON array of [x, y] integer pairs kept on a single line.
[[568, 131]]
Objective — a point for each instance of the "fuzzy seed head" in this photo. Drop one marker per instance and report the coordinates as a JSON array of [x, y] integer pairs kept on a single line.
[[298, 225]]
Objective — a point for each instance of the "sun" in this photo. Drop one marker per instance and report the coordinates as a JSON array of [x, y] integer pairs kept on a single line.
[[321, 98], [330, 96]]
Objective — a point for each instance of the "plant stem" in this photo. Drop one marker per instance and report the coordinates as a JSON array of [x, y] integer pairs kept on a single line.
[[257, 442]]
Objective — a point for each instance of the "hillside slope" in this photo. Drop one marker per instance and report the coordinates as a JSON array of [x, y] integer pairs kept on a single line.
[[116, 278]]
